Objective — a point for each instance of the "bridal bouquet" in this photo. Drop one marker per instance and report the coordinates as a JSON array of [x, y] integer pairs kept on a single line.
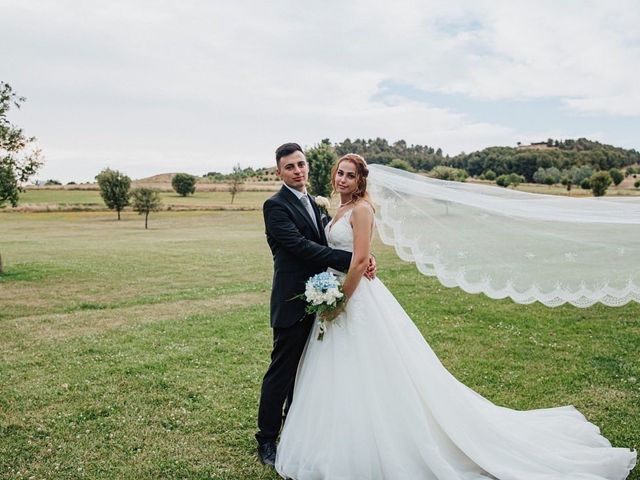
[[323, 293]]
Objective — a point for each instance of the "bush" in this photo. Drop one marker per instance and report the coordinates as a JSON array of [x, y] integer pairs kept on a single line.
[[515, 179], [490, 175], [448, 173], [503, 180], [52, 182], [184, 184], [600, 181], [585, 184], [401, 164], [616, 176], [637, 184]]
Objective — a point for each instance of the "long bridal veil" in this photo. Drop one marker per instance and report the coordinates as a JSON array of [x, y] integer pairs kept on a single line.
[[507, 243]]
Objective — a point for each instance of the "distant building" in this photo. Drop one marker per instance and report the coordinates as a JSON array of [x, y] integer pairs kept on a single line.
[[536, 146]]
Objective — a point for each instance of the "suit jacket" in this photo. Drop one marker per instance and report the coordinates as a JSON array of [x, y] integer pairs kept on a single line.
[[299, 251]]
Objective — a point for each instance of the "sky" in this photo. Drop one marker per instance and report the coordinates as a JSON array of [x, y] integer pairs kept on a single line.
[[151, 87]]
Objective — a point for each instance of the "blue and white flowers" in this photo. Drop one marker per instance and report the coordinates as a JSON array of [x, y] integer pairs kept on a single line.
[[323, 293]]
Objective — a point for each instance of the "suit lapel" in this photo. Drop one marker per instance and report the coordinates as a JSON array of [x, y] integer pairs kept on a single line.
[[297, 205], [316, 210]]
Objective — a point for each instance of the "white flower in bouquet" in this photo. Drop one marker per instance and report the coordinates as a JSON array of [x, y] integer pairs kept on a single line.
[[323, 294]]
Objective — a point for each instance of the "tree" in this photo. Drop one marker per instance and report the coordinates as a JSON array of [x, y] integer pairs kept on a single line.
[[583, 173], [616, 176], [567, 182], [637, 184], [114, 189], [515, 180], [236, 180], [146, 200], [600, 181], [19, 158], [184, 184], [321, 159]]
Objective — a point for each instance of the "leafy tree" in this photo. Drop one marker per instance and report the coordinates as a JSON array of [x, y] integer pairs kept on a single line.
[[401, 164], [19, 159], [600, 181], [321, 159], [547, 176], [184, 184], [539, 176], [146, 200], [236, 180], [637, 184], [490, 175], [616, 176], [52, 182], [585, 184], [114, 189], [582, 173]]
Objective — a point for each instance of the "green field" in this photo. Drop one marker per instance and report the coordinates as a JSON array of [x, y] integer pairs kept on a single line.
[[204, 200], [128, 353]]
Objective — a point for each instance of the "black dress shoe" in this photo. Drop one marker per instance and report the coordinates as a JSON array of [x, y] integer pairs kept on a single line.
[[267, 453]]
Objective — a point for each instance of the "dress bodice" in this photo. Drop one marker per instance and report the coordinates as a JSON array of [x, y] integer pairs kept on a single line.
[[340, 234]]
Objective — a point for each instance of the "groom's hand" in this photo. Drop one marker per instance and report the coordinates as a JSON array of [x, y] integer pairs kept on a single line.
[[372, 268]]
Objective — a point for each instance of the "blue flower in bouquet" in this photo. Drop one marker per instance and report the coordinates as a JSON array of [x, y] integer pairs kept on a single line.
[[323, 288]]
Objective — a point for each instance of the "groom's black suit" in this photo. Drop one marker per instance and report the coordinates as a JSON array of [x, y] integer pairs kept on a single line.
[[299, 251]]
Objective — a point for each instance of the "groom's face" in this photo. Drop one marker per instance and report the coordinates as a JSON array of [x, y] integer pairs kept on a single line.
[[294, 171]]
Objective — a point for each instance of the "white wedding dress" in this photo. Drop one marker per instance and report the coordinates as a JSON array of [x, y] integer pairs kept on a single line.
[[372, 401]]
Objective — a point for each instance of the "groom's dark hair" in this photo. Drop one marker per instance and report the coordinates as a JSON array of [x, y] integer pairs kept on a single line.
[[286, 149]]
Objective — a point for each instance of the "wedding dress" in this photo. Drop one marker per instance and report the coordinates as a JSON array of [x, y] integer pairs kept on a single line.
[[372, 401]]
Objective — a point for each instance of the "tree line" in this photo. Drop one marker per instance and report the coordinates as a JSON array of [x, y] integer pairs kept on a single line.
[[582, 162]]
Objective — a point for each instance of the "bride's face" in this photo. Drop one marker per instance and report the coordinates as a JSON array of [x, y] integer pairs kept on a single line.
[[346, 179]]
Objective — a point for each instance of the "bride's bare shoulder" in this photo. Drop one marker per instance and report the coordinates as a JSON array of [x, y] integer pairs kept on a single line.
[[363, 209]]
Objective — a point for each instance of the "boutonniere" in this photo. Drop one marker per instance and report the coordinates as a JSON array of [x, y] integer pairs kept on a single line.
[[322, 203]]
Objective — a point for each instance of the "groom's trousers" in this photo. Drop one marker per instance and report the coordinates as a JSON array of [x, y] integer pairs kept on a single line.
[[278, 382]]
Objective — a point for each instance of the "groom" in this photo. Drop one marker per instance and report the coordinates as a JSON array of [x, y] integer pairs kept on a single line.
[[295, 233]]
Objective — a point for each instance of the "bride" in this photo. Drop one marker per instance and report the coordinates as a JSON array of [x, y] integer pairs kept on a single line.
[[372, 400]]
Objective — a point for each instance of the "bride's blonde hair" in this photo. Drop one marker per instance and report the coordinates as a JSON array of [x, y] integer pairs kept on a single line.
[[362, 172]]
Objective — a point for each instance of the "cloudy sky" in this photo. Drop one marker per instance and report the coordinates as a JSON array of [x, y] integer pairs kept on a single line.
[[163, 86]]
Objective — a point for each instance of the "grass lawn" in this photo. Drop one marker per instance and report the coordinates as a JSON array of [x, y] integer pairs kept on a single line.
[[128, 353], [250, 199]]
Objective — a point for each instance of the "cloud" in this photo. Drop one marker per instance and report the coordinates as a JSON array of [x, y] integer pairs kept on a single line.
[[198, 86]]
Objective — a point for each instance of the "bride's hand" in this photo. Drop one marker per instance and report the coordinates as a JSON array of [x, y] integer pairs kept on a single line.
[[370, 273]]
